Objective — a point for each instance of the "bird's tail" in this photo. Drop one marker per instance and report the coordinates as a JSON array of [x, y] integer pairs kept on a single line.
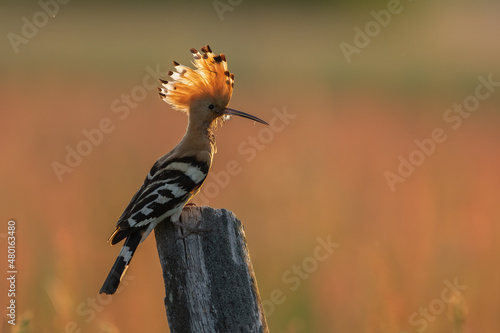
[[120, 266]]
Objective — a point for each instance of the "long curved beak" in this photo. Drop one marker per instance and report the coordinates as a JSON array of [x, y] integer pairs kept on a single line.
[[233, 112]]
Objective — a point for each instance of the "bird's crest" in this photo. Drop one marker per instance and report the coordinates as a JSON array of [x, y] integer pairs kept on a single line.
[[210, 78]]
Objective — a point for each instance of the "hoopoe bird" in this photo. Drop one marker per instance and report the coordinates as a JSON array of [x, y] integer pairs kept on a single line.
[[204, 94]]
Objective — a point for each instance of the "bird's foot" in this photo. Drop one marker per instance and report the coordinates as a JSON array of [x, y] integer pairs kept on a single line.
[[188, 230]]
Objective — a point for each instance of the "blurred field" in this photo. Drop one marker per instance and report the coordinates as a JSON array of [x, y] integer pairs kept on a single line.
[[321, 176]]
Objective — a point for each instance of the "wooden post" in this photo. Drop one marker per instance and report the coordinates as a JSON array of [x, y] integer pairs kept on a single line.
[[210, 284]]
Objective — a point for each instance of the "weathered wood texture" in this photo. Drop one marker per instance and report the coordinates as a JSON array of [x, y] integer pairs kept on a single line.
[[210, 284]]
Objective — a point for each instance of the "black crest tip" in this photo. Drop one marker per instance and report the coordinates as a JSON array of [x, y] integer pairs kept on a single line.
[[206, 49]]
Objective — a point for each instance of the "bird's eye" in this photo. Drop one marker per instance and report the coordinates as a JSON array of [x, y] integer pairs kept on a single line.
[[211, 106]]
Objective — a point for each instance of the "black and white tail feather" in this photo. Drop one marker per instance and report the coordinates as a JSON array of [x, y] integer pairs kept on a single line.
[[167, 188], [121, 264]]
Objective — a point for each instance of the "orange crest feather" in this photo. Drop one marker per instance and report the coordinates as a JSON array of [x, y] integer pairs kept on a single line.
[[210, 79]]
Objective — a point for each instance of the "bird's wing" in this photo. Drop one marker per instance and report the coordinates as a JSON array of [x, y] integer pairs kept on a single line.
[[168, 186]]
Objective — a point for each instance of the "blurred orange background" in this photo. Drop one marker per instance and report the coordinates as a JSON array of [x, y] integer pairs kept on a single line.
[[318, 176]]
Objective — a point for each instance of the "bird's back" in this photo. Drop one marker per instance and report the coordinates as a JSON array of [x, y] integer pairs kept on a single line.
[[172, 181]]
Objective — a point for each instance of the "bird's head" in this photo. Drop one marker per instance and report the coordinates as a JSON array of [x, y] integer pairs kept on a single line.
[[204, 92]]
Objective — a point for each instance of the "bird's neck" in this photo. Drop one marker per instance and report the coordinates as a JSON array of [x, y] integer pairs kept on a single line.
[[199, 136]]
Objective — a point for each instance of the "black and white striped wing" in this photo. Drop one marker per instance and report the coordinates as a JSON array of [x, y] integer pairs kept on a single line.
[[166, 189]]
